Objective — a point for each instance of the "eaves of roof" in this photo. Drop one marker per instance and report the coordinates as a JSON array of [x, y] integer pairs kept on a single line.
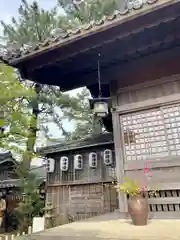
[[7, 156], [92, 141], [133, 10]]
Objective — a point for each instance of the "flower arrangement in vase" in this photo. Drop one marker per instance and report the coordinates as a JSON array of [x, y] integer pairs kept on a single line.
[[137, 196]]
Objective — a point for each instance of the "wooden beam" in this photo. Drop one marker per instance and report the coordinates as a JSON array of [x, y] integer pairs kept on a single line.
[[132, 44], [164, 185], [147, 104], [120, 71], [116, 71], [165, 200], [140, 42], [164, 215], [119, 47], [118, 145], [171, 161], [79, 183], [151, 83], [157, 186]]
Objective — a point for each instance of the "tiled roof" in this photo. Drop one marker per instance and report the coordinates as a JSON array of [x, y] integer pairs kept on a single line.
[[9, 183], [6, 156], [17, 182], [94, 140], [133, 7]]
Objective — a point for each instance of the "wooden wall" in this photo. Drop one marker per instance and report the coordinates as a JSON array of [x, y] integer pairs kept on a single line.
[[147, 129], [80, 194], [76, 202], [87, 174]]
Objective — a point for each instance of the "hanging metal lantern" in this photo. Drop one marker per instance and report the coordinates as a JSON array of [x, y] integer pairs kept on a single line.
[[100, 106], [101, 109]]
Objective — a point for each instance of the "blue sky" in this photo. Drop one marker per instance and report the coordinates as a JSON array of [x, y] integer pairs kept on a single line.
[[8, 8]]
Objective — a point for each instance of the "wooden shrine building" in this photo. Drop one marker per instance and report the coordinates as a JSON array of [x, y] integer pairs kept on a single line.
[[10, 187], [79, 181], [9, 181], [140, 55]]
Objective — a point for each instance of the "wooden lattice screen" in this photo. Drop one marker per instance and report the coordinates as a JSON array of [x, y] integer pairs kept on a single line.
[[165, 201], [156, 137], [156, 133]]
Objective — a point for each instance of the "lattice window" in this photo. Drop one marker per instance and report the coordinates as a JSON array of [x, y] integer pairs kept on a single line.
[[68, 176], [154, 133], [172, 123]]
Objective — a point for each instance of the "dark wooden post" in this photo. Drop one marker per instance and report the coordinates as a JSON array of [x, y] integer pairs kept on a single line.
[[119, 160]]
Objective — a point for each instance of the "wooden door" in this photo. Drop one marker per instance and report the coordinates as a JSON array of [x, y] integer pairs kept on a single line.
[[149, 118]]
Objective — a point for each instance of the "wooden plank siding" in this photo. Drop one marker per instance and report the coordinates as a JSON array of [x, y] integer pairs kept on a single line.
[[118, 145], [150, 112], [80, 194], [102, 173], [76, 202]]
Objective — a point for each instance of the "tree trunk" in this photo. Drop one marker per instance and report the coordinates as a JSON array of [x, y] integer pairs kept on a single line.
[[26, 163]]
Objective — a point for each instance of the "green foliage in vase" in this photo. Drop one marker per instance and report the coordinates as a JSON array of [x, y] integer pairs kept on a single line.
[[132, 188]]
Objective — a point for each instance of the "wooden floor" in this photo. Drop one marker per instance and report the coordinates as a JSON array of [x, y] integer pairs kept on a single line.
[[109, 226]]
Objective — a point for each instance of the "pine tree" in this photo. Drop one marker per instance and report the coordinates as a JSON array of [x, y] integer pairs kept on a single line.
[[85, 11], [32, 26], [15, 115]]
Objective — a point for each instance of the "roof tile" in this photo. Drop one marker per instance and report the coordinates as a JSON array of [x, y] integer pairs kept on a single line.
[[64, 36], [93, 140]]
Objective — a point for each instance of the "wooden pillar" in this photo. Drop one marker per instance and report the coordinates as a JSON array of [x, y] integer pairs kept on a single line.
[[118, 144]]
